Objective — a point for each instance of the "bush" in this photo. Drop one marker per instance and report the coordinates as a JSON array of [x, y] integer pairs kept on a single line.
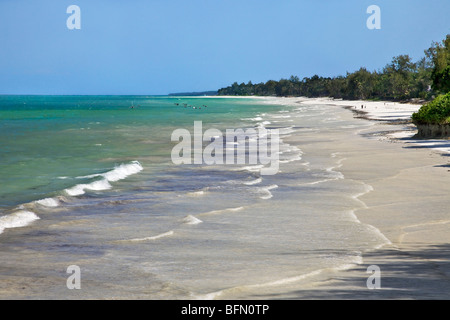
[[434, 112]]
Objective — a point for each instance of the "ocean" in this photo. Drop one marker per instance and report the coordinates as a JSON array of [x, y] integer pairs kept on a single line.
[[89, 181]]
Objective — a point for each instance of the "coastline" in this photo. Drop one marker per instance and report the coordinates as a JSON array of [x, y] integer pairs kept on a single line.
[[377, 197], [408, 204]]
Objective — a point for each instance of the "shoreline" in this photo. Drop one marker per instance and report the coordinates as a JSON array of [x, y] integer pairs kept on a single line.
[[408, 205], [396, 190]]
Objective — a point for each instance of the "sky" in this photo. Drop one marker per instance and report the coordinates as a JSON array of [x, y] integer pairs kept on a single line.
[[157, 47]]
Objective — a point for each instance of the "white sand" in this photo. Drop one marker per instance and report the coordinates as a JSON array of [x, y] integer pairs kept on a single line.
[[386, 111], [391, 111], [409, 204], [375, 110]]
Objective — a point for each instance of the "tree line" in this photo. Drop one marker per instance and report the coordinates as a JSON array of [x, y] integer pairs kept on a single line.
[[401, 79]]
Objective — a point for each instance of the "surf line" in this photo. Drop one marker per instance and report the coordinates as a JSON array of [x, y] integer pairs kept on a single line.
[[159, 236], [250, 146]]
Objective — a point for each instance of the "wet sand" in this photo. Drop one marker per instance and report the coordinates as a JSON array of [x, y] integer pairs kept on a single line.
[[409, 204]]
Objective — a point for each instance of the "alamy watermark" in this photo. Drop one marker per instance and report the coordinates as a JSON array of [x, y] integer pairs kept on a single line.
[[74, 280], [237, 146], [74, 20], [374, 281], [374, 21]]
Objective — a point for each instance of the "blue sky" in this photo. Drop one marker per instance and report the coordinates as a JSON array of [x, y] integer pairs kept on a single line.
[[165, 46]]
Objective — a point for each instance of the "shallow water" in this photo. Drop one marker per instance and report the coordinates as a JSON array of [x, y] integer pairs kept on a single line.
[[88, 181]]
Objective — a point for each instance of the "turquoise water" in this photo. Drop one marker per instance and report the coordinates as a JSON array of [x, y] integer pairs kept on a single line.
[[89, 181], [46, 140]]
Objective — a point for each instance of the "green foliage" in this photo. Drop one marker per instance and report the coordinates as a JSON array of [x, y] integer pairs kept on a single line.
[[434, 112], [439, 53], [401, 79], [360, 84], [441, 79]]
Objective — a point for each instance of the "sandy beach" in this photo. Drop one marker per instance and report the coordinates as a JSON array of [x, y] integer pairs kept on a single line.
[[225, 151], [408, 204], [355, 190]]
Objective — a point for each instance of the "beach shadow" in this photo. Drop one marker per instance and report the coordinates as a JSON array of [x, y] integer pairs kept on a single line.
[[438, 144], [423, 275], [442, 166], [427, 146]]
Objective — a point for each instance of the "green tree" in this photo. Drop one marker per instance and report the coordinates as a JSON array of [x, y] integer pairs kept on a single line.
[[337, 87], [440, 55], [360, 84], [422, 83], [399, 77]]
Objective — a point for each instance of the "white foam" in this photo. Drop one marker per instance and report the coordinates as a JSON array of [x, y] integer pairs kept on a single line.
[[190, 219], [123, 171], [255, 168], [118, 173], [17, 219], [251, 183], [99, 185], [221, 211], [236, 209], [266, 191], [196, 193], [368, 188], [278, 121], [159, 236], [315, 182], [76, 190], [296, 157], [257, 118], [281, 282], [48, 202], [80, 189], [95, 175], [336, 174]]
